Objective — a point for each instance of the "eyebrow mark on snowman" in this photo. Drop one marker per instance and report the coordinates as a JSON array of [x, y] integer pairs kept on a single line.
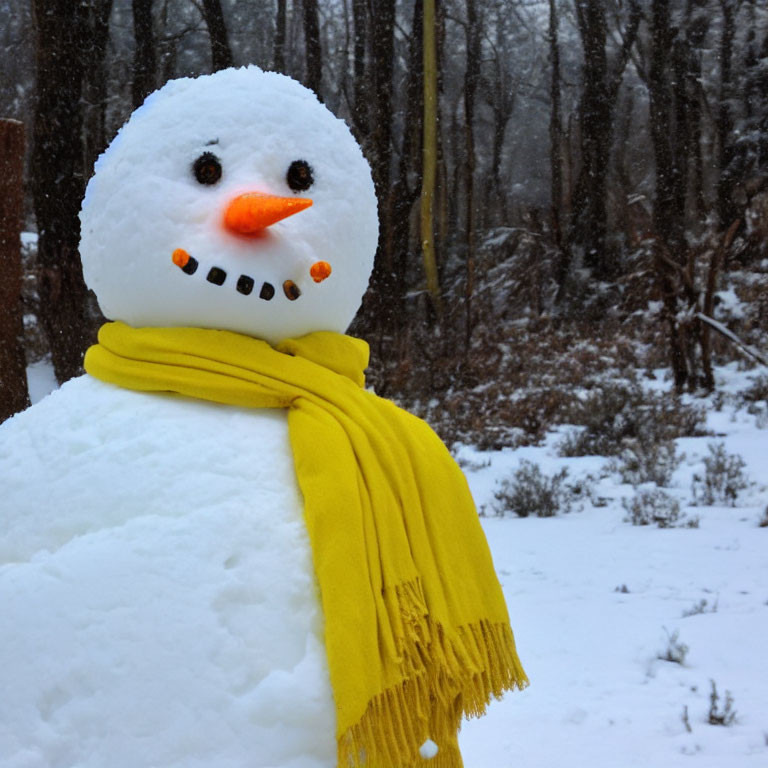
[[211, 143]]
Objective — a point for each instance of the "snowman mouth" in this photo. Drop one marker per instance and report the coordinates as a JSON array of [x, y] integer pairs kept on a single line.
[[245, 283]]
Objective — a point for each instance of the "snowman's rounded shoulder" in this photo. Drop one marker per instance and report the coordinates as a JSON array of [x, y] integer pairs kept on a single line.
[[155, 564], [97, 455]]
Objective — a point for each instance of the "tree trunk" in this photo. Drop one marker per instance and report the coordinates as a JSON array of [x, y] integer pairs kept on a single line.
[[556, 156], [221, 53], [667, 223], [726, 208], [380, 300], [589, 222], [471, 77], [58, 179], [589, 225], [429, 153], [280, 33], [14, 396], [95, 83], [360, 85], [312, 49], [144, 59], [669, 246]]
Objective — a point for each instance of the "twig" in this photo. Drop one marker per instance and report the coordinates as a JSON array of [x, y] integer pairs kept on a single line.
[[746, 348]]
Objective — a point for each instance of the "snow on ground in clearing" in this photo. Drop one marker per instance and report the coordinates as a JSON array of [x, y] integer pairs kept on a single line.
[[594, 601], [600, 695]]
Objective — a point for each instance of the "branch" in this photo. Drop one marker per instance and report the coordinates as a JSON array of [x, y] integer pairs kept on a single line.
[[731, 336]]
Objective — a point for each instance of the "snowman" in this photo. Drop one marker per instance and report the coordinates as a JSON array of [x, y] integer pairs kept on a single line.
[[217, 549]]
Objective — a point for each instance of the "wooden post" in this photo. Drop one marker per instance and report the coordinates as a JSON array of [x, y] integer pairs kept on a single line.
[[13, 373]]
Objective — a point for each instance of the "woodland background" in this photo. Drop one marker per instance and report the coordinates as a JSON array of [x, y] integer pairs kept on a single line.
[[568, 189]]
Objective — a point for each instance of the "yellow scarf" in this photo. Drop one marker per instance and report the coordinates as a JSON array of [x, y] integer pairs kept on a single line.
[[416, 628]]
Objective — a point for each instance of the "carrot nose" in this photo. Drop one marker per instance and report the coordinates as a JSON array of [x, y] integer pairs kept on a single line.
[[252, 212]]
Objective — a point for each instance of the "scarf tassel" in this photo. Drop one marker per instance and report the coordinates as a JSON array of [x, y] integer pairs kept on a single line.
[[443, 680]]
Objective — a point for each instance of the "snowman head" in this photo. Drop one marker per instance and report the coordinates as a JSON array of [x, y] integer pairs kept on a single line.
[[233, 201]]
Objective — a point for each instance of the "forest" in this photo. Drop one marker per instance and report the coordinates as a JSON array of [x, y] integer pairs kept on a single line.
[[567, 188]]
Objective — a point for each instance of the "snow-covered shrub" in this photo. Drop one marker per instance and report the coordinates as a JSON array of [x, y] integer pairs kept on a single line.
[[530, 492], [654, 507], [756, 401], [702, 606], [723, 478], [763, 522], [615, 416], [643, 461], [725, 716], [675, 651]]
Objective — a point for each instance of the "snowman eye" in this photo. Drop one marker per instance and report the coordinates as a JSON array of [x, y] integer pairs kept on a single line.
[[207, 168], [299, 176]]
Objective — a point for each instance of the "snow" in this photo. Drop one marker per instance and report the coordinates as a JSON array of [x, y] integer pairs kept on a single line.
[[428, 749], [156, 588], [100, 601], [156, 585], [41, 380], [595, 602]]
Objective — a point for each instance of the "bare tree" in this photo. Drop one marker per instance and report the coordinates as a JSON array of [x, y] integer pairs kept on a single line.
[[429, 143], [726, 208], [600, 88], [668, 245], [221, 53], [556, 151], [280, 31], [360, 79], [58, 178], [472, 32], [94, 96], [313, 52], [144, 58]]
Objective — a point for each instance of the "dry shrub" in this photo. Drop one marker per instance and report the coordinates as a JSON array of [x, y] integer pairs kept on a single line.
[[723, 479], [618, 417], [654, 507], [529, 492]]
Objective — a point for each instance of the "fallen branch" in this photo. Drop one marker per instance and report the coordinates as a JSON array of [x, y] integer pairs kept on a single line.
[[730, 335]]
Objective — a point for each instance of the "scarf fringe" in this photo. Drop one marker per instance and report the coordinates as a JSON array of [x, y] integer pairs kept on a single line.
[[443, 680]]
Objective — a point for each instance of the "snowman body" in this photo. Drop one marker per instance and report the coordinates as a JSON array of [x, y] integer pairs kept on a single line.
[[157, 591], [156, 584]]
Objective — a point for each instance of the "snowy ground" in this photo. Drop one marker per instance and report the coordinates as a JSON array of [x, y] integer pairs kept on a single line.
[[595, 602]]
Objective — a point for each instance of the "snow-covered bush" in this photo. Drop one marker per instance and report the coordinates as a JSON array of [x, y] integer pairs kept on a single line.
[[723, 478], [643, 461], [654, 507], [675, 651], [702, 606], [530, 492], [756, 401], [725, 716], [615, 416]]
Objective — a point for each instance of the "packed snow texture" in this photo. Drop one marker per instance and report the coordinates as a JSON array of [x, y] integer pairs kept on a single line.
[[144, 202], [129, 637], [158, 602]]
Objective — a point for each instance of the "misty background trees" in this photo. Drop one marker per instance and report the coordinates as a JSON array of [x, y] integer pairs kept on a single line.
[[544, 168]]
